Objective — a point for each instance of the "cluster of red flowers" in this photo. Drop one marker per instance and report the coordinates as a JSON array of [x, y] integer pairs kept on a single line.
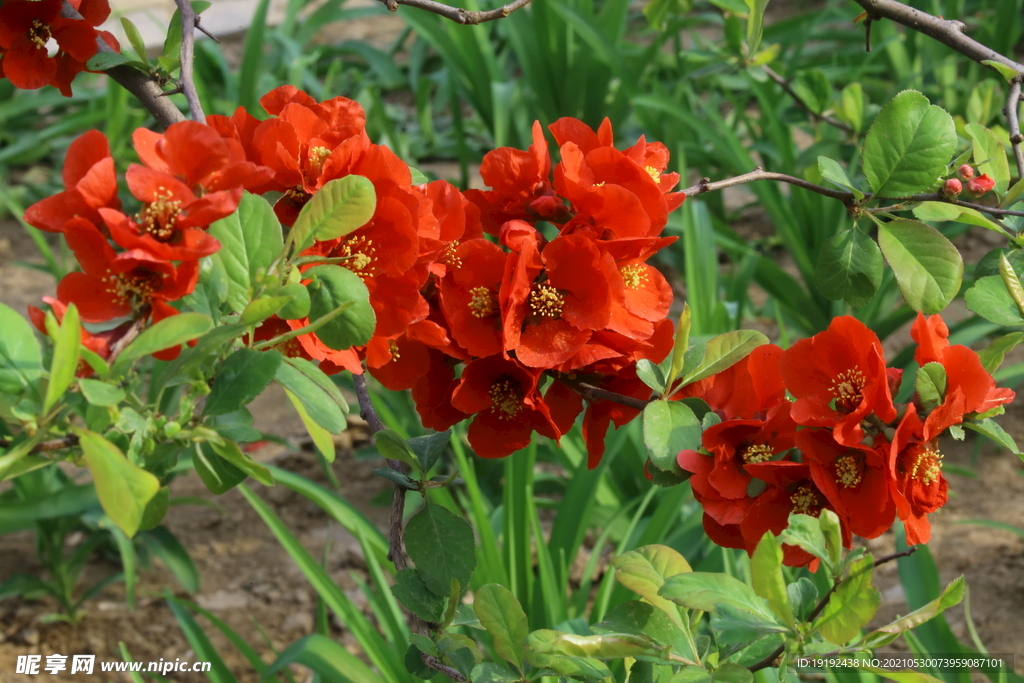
[[576, 296], [842, 445], [134, 265], [40, 47]]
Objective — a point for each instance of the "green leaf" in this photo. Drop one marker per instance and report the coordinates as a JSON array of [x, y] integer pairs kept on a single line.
[[651, 375], [250, 240], [135, 38], [1012, 282], [298, 304], [804, 531], [849, 267], [330, 661], [241, 378], [155, 510], [991, 356], [930, 385], [658, 11], [703, 591], [123, 488], [489, 672], [927, 266], [217, 474], [682, 344], [338, 208], [230, 451], [441, 545], [644, 619], [316, 401], [990, 155], [503, 617], [410, 590], [852, 605], [613, 646], [322, 438], [65, 358], [20, 359], [734, 626], [851, 107], [908, 146], [99, 393], [333, 286], [669, 427], [991, 429], [429, 448], [101, 61], [769, 583], [944, 212], [644, 572], [952, 595], [165, 545], [831, 531], [814, 88], [266, 306], [989, 299], [755, 24], [724, 351], [831, 171], [167, 333], [393, 447], [1007, 72]]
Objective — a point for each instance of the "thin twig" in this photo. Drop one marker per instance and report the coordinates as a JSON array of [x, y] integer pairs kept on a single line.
[[592, 393], [785, 85], [435, 664], [1013, 120], [69, 441], [770, 659], [206, 33], [457, 14], [146, 91], [188, 33]]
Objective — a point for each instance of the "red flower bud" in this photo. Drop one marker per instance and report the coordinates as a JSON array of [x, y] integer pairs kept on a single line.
[[952, 188], [980, 185], [966, 172]]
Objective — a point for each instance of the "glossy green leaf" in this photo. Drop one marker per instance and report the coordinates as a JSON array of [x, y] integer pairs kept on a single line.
[[250, 240], [990, 299], [991, 429], [332, 287], [644, 619], [169, 332], [852, 605], [322, 438], [991, 356], [849, 267], [20, 359], [908, 146], [155, 510], [755, 24], [429, 448], [241, 378], [135, 38], [804, 531], [410, 590], [124, 489], [930, 385], [952, 595], [441, 544], [488, 672], [338, 208], [316, 401], [669, 427], [612, 646], [724, 351], [230, 451], [851, 107], [927, 266], [262, 308], [644, 572], [767, 578], [703, 591], [217, 474], [66, 352], [831, 171], [651, 375], [100, 393], [831, 531], [990, 155], [393, 447], [944, 212], [101, 61], [501, 614], [298, 301]]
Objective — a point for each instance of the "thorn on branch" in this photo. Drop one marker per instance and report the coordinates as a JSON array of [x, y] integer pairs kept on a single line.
[[176, 90], [205, 32]]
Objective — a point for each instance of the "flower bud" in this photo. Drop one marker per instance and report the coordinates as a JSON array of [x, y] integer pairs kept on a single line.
[[966, 172], [952, 188], [980, 185]]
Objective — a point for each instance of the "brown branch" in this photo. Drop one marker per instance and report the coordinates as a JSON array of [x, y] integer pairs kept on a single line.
[[457, 14], [188, 85], [69, 441], [770, 659], [788, 88], [435, 664], [1013, 120], [592, 393], [948, 32], [146, 91]]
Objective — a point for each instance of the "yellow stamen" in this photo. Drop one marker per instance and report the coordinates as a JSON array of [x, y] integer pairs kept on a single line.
[[847, 389], [506, 398], [849, 470], [482, 303], [806, 501], [759, 453], [928, 466], [545, 301], [634, 276], [654, 173]]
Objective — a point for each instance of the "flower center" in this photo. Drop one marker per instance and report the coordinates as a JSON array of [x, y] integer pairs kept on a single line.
[[545, 301], [160, 216], [758, 453], [849, 470], [317, 157], [654, 173], [634, 276], [806, 500], [928, 466], [482, 302], [133, 288], [358, 252], [448, 256], [506, 398], [393, 348], [847, 389], [39, 34]]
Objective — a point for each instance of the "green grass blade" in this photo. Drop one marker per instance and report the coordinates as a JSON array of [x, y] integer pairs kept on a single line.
[[252, 59], [329, 660], [240, 644], [201, 645]]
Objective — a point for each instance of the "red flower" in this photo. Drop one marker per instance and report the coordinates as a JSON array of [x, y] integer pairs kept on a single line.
[[399, 362], [839, 378], [97, 342], [600, 414], [854, 479], [969, 387], [115, 285], [89, 181], [521, 186], [738, 443], [980, 185], [508, 407], [432, 393], [469, 296], [915, 472], [746, 390]]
